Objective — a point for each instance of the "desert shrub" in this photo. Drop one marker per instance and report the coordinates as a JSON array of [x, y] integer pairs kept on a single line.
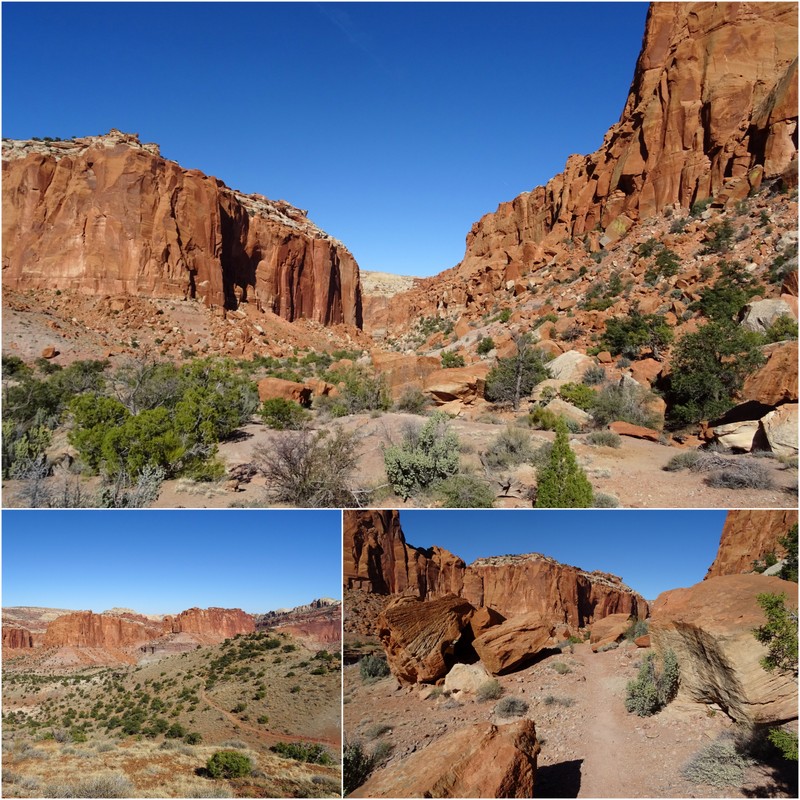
[[23, 449], [511, 707], [785, 742], [722, 233], [229, 764], [718, 764], [561, 483], [685, 460], [742, 474], [451, 359], [356, 766], [541, 456], [783, 264], [604, 439], [309, 752], [426, 454], [311, 470], [667, 263], [732, 290], [464, 491], [594, 375], [374, 731], [631, 334], [359, 390], [637, 628], [381, 753], [648, 247], [511, 379], [14, 367], [93, 416], [543, 419], [372, 668], [561, 668], [552, 700], [282, 414], [625, 402], [110, 785], [602, 500], [653, 688], [679, 225], [193, 738], [485, 345], [512, 446], [504, 316], [699, 206], [789, 543], [413, 401], [489, 690], [782, 329], [778, 634], [579, 394]]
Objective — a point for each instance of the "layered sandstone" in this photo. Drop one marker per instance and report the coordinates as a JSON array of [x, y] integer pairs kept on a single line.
[[17, 638], [710, 627], [107, 215], [711, 112], [318, 622], [747, 536], [214, 624], [481, 760]]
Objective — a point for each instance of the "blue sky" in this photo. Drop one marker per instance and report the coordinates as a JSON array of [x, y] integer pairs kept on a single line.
[[652, 551], [166, 561], [396, 125]]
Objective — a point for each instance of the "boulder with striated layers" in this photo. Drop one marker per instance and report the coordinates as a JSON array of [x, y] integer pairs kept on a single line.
[[747, 536], [108, 215], [709, 627], [481, 760], [421, 637], [515, 642], [608, 630]]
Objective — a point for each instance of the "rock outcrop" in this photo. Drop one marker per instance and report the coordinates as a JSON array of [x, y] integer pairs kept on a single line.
[[710, 627], [515, 642], [481, 760], [17, 638], [107, 215], [608, 630], [213, 624], [318, 622], [748, 536], [422, 637], [711, 112]]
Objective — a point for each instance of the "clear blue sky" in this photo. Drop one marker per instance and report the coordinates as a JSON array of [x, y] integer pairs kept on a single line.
[[396, 125], [651, 551], [167, 561]]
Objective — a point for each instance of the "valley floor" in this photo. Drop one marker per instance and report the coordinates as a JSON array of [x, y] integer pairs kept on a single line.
[[591, 746]]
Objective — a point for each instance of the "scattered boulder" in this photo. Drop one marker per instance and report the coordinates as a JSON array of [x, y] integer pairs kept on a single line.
[[459, 383], [466, 678], [758, 316], [736, 435], [49, 352], [709, 626], [271, 388], [609, 629], [776, 381], [570, 366], [635, 431], [483, 619], [642, 641], [779, 429], [420, 637], [564, 409], [515, 642], [401, 371], [481, 760]]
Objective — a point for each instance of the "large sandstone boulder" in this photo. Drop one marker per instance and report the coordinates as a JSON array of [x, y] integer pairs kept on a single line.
[[634, 431], [758, 316], [564, 409], [465, 384], [421, 636], [779, 429], [608, 630], [481, 760], [515, 642], [401, 371], [736, 435], [776, 381], [569, 366], [272, 388], [710, 627], [467, 678], [748, 535]]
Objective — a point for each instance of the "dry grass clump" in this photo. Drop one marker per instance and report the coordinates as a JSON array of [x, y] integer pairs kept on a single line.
[[511, 707], [719, 764], [490, 690], [112, 784]]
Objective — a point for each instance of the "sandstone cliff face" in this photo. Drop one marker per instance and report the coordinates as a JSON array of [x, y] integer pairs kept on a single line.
[[711, 111], [214, 624], [378, 559], [107, 215], [17, 638], [748, 536]]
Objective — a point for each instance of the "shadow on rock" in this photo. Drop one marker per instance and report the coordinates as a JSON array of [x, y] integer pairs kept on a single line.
[[559, 780]]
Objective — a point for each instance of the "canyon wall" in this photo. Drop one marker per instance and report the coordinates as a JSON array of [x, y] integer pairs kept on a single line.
[[215, 624], [711, 111], [377, 559], [747, 536], [107, 215], [17, 638]]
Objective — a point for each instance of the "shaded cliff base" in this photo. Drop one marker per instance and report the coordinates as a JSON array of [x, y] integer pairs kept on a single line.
[[36, 700]]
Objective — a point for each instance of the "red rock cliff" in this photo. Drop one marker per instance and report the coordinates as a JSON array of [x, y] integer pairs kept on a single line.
[[86, 629], [712, 107], [748, 536], [108, 215], [378, 559], [17, 638], [212, 623]]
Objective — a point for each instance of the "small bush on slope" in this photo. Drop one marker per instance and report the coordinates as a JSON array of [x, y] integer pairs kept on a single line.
[[372, 668], [653, 688], [229, 764], [561, 483]]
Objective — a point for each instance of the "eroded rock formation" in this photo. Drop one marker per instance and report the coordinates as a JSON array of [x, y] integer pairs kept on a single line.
[[481, 760], [107, 215], [710, 627], [214, 624], [17, 638], [747, 536]]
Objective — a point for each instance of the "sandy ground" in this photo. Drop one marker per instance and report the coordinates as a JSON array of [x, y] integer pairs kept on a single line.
[[591, 748]]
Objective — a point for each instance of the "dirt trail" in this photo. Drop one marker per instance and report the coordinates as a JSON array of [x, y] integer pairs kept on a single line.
[[267, 736]]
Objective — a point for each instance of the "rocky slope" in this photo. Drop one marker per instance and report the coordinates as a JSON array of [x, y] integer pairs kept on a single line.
[[107, 215], [318, 622], [711, 112]]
